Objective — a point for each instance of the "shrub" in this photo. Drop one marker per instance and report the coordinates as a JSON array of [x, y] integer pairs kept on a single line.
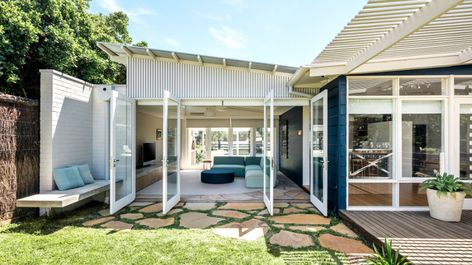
[[387, 256], [445, 183]]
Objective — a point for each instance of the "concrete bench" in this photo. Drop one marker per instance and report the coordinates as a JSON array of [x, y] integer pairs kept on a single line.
[[63, 198]]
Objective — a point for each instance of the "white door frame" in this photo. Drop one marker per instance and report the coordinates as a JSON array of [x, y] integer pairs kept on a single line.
[[269, 201], [169, 203], [118, 205], [455, 164], [321, 205]]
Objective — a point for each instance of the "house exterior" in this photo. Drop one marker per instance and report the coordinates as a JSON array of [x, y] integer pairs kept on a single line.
[[386, 104]]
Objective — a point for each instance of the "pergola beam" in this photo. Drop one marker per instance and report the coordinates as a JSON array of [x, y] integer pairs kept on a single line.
[[422, 17], [150, 53], [465, 56], [127, 50]]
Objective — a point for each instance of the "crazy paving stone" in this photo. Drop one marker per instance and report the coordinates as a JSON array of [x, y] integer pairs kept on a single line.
[[245, 206], [98, 221], [306, 219], [265, 212], [174, 211], [342, 244], [293, 210], [315, 228], [154, 208], [230, 214], [117, 225], [343, 229], [197, 220], [132, 216], [291, 239], [281, 205], [104, 212], [199, 206], [248, 230], [156, 222]]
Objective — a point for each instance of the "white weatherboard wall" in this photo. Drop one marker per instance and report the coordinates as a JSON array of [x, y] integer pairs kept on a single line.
[[147, 78], [66, 124]]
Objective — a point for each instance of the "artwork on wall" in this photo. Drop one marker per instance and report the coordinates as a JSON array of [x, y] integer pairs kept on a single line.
[[158, 134], [284, 140]]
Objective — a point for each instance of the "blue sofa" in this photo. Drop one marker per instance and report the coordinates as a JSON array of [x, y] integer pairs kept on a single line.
[[250, 168]]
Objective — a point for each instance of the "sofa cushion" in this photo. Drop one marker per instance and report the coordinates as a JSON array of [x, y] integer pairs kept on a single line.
[[238, 169], [84, 171], [68, 178], [228, 160], [253, 167], [252, 160], [255, 178]]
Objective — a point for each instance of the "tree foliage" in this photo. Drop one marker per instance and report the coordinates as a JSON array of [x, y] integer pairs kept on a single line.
[[60, 35]]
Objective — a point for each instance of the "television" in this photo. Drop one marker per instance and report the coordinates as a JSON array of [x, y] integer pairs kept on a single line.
[[149, 153]]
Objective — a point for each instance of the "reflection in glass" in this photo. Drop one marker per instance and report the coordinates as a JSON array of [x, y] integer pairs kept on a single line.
[[172, 152], [370, 194], [198, 145], [370, 145], [259, 143], [462, 86], [421, 139], [466, 142], [317, 149], [411, 194], [123, 157], [268, 152], [421, 87], [370, 87]]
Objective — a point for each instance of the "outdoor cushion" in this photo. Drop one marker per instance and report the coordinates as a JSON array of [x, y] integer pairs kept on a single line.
[[255, 178], [84, 171], [67, 178], [252, 160], [253, 167], [228, 160]]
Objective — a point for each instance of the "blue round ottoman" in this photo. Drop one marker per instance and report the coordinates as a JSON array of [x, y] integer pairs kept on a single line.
[[217, 176]]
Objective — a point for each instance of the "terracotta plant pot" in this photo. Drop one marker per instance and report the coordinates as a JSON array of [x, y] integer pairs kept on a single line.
[[447, 207]]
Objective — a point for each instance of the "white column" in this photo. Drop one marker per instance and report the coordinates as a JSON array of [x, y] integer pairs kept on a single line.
[[208, 144], [306, 145], [253, 142]]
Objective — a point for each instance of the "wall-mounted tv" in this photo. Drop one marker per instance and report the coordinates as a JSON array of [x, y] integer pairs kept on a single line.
[[149, 153]]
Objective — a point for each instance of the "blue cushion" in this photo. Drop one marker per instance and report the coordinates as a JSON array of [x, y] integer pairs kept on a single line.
[[237, 169], [253, 160], [68, 178], [84, 171], [228, 160], [253, 167]]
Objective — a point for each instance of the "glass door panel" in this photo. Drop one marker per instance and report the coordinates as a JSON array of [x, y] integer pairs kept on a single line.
[[122, 182], [319, 162], [268, 152], [171, 153]]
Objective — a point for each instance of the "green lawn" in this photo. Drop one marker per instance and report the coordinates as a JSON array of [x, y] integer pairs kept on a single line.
[[64, 241]]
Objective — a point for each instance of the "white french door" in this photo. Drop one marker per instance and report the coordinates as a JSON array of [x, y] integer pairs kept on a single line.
[[319, 152], [171, 152], [122, 179], [462, 145], [268, 152]]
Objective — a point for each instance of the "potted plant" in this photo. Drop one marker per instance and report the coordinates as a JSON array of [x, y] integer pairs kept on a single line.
[[446, 194]]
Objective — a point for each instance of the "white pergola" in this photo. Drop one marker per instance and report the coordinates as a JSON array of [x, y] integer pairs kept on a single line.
[[392, 35]]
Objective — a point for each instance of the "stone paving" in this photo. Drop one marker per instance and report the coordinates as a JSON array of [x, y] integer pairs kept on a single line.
[[293, 226]]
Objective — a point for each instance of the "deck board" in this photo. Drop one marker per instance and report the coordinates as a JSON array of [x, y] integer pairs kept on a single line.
[[423, 239]]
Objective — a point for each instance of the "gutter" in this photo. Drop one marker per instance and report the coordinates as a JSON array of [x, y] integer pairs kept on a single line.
[[297, 76]]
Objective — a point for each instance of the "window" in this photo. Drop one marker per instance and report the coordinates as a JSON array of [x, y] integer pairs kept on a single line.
[[370, 139], [370, 194], [259, 141], [370, 87], [422, 87], [241, 141], [463, 86], [421, 138], [219, 141], [465, 167]]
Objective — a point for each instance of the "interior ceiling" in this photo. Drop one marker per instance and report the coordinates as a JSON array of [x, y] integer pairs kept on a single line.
[[204, 112]]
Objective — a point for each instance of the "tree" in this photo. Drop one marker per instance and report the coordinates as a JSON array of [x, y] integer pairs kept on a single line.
[[56, 34]]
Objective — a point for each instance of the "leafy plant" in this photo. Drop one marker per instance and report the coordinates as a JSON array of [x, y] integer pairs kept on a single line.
[[445, 183], [387, 256]]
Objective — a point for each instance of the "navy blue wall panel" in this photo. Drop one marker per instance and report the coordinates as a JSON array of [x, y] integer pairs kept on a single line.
[[336, 143], [292, 166]]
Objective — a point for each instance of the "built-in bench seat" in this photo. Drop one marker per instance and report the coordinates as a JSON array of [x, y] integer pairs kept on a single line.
[[63, 198]]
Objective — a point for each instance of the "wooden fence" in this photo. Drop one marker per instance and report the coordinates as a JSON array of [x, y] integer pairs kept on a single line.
[[19, 154]]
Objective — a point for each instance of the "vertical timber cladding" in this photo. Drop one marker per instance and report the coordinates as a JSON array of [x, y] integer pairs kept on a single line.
[[147, 78]]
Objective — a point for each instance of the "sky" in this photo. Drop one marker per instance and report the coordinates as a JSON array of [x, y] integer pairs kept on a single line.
[[284, 32]]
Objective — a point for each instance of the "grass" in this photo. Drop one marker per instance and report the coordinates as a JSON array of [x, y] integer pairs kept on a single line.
[[64, 241]]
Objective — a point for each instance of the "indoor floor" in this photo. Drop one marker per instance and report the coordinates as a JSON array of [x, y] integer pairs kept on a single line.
[[192, 189]]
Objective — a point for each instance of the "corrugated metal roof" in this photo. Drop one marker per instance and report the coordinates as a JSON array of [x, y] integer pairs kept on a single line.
[[124, 50]]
